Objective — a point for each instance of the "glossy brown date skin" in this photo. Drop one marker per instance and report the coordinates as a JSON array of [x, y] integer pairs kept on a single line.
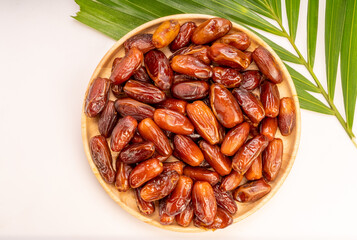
[[180, 197], [251, 79], [127, 66], [115, 62], [187, 150], [117, 90], [270, 98], [226, 55], [287, 117], [97, 97], [122, 133], [191, 90], [255, 170], [267, 65], [144, 92], [245, 156], [239, 40], [175, 166], [159, 69], [165, 33], [204, 202], [145, 208], [272, 159], [173, 121], [185, 217], [201, 174], [165, 219], [143, 42], [136, 109], [225, 200], [225, 106], [141, 75], [160, 186], [184, 36], [173, 104], [136, 152], [212, 153], [268, 127], [251, 191], [137, 138], [211, 30], [250, 104], [183, 78], [102, 157], [107, 120], [200, 52], [222, 220], [231, 181], [234, 139], [204, 121], [151, 132], [122, 176], [249, 55], [145, 171], [191, 66], [228, 77]]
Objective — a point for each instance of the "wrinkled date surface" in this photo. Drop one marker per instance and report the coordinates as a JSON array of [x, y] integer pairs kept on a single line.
[[267, 65], [173, 104], [270, 98], [222, 220], [144, 172], [251, 191], [229, 56], [250, 104], [204, 202], [191, 66], [165, 33], [184, 36], [287, 117], [201, 174], [272, 158], [141, 75], [251, 79], [180, 197], [228, 77], [187, 150], [211, 30], [122, 176], [165, 219], [268, 127], [185, 217], [158, 68], [144, 92], [225, 200], [173, 121], [136, 109], [231, 181], [136, 152], [97, 97], [239, 40], [122, 133], [190, 90], [235, 138], [146, 208], [143, 42], [107, 120], [176, 166], [255, 170], [198, 51]]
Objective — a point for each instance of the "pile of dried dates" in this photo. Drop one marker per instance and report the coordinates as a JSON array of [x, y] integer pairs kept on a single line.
[[200, 105]]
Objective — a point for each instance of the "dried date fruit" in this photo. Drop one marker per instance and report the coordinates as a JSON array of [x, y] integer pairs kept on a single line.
[[195, 136], [165, 33], [136, 109], [117, 90], [228, 77], [180, 197], [144, 92], [222, 220], [107, 120], [145, 208], [115, 62], [250, 104], [122, 176], [225, 200], [185, 217], [287, 117], [272, 159], [123, 133], [145, 171], [231, 181], [239, 40], [200, 52], [204, 202], [268, 127], [211, 30], [143, 42], [184, 36], [173, 104], [267, 64], [136, 152], [183, 78], [234, 139], [176, 166], [141, 75], [165, 219], [226, 55], [137, 138], [251, 191], [251, 79], [191, 90], [102, 158], [187, 150], [201, 174], [173, 121], [159, 69], [270, 98], [191, 66], [97, 97], [255, 170]]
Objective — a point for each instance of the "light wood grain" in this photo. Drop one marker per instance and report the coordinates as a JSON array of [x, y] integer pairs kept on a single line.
[[126, 199]]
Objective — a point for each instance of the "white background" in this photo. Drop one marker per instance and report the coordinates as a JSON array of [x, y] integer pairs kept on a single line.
[[47, 189]]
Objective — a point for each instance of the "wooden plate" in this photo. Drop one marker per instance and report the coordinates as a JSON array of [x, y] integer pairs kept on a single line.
[[126, 199]]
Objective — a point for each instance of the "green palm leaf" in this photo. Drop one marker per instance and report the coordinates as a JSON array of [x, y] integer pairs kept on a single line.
[[309, 102], [292, 12], [302, 82], [312, 20]]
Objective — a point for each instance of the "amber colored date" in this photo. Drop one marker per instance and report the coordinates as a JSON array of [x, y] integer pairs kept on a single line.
[[173, 121], [191, 66], [255, 170], [185, 217], [191, 90], [219, 162], [136, 152], [173, 104], [204, 202], [180, 197], [204, 121], [251, 79], [117, 90], [222, 220], [136, 109], [201, 174], [226, 55], [102, 158], [165, 219], [268, 127], [250, 104], [144, 92], [225, 106], [97, 97], [225, 200], [267, 65], [145, 208], [115, 62], [143, 42], [165, 33], [228, 77], [187, 150], [198, 51], [184, 36], [287, 117], [151, 132], [251, 191], [239, 40], [270, 98], [123, 133], [176, 166], [159, 69], [107, 120], [272, 159], [137, 138], [122, 176], [145, 171], [231, 181], [183, 78], [127, 66], [248, 152], [141, 75], [234, 139], [211, 30]]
